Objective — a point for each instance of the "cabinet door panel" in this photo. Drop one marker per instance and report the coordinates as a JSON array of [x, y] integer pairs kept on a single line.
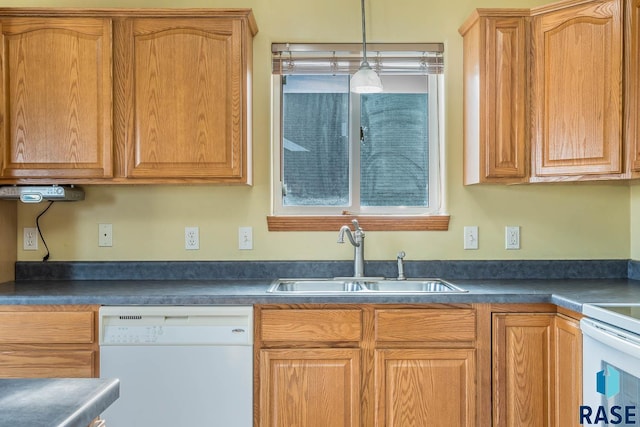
[[632, 82], [577, 90], [310, 388], [425, 387], [495, 104], [568, 372], [505, 95], [56, 95], [187, 85], [522, 348]]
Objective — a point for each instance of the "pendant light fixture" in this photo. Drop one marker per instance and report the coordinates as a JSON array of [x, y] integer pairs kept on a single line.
[[365, 80]]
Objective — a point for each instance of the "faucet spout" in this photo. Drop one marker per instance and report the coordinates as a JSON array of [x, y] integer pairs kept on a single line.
[[356, 238]]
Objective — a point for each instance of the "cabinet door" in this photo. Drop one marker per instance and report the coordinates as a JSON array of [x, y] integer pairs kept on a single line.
[[495, 100], [522, 364], [310, 388], [183, 110], [577, 90], [425, 387], [56, 98], [568, 372], [632, 81]]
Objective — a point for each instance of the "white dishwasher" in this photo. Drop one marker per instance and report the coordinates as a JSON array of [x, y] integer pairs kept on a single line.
[[178, 365]]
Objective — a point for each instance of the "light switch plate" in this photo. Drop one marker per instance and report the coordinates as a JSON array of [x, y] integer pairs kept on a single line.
[[245, 238], [471, 237]]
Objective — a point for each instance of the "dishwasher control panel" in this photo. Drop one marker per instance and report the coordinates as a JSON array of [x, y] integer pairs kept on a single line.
[[176, 325], [132, 334]]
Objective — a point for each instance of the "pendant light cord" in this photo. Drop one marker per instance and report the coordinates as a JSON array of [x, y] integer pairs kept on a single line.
[[46, 257], [364, 36]]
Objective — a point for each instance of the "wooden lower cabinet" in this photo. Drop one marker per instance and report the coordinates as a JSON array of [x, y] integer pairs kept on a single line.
[[568, 375], [425, 387], [366, 365], [48, 342], [537, 370], [310, 387]]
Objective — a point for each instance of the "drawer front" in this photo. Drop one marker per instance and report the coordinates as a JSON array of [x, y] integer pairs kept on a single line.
[[311, 325], [35, 327], [425, 325], [47, 364]]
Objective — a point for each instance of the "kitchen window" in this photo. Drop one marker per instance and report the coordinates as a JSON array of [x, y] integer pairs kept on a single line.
[[339, 154]]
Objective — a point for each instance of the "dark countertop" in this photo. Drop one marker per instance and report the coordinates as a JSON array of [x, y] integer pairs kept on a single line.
[[567, 293], [55, 402]]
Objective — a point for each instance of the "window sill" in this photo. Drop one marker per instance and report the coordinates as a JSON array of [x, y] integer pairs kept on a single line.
[[368, 222]]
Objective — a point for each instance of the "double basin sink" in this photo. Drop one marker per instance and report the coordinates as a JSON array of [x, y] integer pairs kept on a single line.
[[372, 285]]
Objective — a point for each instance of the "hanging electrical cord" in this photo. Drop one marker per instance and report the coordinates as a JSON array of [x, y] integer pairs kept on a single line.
[[46, 257]]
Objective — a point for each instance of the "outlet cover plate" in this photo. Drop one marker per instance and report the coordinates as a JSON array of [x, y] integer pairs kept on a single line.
[[30, 239], [512, 237], [191, 238]]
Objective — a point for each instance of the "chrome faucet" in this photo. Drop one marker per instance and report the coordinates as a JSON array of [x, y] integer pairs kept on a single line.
[[357, 240]]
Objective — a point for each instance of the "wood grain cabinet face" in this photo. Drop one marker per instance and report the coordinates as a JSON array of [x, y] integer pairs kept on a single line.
[[495, 114], [318, 384], [310, 387], [568, 372], [522, 369], [56, 98], [577, 90], [425, 367], [632, 82], [48, 341], [537, 370], [184, 85], [425, 387], [367, 365]]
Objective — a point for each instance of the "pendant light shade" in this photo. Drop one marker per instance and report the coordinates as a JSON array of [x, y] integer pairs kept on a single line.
[[365, 80]]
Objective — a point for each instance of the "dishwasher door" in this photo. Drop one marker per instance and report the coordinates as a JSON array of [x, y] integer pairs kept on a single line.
[[178, 366]]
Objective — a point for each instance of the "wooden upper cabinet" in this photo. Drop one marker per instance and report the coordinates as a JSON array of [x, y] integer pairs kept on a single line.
[[495, 121], [577, 90], [632, 83], [55, 98], [182, 98]]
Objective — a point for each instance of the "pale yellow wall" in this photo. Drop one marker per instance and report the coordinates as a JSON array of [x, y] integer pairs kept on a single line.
[[8, 220], [635, 221], [558, 221]]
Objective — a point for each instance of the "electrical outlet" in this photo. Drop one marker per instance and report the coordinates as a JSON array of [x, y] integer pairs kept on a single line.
[[245, 238], [105, 235], [30, 239], [471, 237], [191, 238], [512, 237]]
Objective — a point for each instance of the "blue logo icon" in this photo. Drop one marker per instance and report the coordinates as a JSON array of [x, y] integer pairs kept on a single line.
[[608, 382]]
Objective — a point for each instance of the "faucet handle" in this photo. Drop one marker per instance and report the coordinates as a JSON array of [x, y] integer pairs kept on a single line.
[[356, 225], [400, 259]]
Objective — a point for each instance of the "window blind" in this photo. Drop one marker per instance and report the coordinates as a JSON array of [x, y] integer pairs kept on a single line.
[[345, 58]]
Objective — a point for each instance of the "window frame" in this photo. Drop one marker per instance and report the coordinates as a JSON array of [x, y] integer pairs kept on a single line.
[[320, 218]]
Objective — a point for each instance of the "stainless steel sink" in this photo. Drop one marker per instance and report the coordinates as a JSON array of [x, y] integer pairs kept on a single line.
[[372, 285]]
